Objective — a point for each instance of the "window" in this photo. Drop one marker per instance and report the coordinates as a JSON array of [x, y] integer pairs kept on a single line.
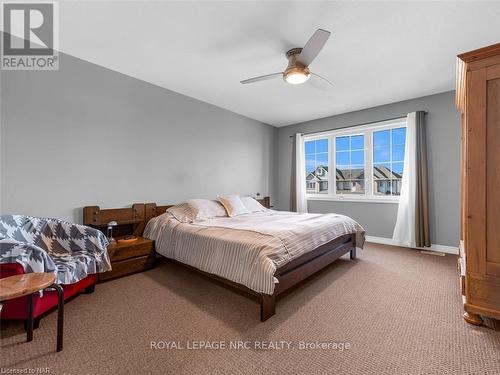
[[388, 159], [350, 164], [316, 166], [367, 160]]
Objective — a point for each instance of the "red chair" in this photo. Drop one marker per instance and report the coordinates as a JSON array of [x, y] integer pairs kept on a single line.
[[16, 309], [76, 253]]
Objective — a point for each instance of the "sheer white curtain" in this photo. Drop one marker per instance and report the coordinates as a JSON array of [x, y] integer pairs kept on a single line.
[[404, 230], [300, 174]]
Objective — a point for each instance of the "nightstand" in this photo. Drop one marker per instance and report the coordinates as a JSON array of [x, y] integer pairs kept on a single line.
[[130, 257], [126, 258]]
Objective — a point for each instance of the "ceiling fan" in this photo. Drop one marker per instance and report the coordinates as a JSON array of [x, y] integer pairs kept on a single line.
[[299, 59]]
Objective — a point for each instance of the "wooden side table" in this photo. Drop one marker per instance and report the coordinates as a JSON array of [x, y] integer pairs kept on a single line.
[[27, 284], [128, 258]]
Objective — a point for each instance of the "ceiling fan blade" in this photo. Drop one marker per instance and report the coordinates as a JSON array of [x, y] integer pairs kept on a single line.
[[261, 78], [313, 47], [322, 78]]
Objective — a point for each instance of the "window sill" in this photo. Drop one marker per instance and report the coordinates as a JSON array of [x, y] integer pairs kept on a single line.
[[352, 199]]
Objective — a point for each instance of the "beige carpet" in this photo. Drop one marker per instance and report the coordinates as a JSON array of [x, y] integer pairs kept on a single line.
[[399, 311]]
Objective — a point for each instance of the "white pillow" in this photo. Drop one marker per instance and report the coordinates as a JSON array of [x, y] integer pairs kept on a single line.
[[197, 210], [207, 209], [233, 205], [252, 204]]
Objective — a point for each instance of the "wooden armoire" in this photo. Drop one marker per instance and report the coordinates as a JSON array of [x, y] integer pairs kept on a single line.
[[478, 99]]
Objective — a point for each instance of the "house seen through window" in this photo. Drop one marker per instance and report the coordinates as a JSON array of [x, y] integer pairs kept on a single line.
[[367, 161], [388, 159], [350, 164], [316, 166]]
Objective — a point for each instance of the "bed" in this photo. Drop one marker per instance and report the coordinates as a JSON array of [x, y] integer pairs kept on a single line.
[[263, 253]]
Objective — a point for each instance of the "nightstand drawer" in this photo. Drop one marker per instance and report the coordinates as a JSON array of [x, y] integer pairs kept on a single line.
[[140, 247], [128, 266]]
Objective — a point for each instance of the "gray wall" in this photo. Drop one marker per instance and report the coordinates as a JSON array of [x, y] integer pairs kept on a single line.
[[88, 135], [443, 150]]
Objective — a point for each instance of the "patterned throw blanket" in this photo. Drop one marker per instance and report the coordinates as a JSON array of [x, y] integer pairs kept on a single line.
[[71, 251]]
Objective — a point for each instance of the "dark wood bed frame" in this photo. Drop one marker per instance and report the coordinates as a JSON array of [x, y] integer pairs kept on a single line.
[[288, 275]]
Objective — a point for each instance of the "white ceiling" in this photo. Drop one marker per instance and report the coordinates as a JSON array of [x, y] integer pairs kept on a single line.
[[379, 52]]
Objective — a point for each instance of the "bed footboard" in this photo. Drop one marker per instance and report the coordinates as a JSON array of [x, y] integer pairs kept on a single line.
[[304, 266], [267, 306], [353, 253]]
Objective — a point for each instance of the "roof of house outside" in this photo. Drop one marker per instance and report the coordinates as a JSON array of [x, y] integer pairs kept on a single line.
[[384, 173], [317, 177], [350, 174], [379, 173]]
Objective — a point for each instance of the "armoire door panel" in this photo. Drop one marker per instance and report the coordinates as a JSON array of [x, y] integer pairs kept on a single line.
[[476, 171], [493, 72], [493, 269], [493, 172]]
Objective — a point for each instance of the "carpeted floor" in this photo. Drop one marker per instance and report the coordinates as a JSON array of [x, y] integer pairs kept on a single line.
[[397, 311]]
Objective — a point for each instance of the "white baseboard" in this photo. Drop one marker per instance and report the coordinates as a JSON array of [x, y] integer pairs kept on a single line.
[[434, 247], [380, 240]]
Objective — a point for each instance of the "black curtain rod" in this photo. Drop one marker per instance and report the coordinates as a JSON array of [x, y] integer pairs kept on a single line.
[[352, 126]]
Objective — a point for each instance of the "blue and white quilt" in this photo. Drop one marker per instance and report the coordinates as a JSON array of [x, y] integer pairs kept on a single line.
[[71, 251]]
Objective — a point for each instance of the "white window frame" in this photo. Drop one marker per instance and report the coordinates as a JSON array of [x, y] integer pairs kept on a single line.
[[367, 131]]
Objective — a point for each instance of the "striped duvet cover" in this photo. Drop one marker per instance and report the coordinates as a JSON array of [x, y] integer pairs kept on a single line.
[[247, 249]]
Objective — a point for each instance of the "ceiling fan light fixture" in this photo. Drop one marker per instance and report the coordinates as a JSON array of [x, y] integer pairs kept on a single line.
[[299, 59], [296, 76]]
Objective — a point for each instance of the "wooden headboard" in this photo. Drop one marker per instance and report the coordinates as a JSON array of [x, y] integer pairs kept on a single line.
[[152, 210], [131, 220]]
